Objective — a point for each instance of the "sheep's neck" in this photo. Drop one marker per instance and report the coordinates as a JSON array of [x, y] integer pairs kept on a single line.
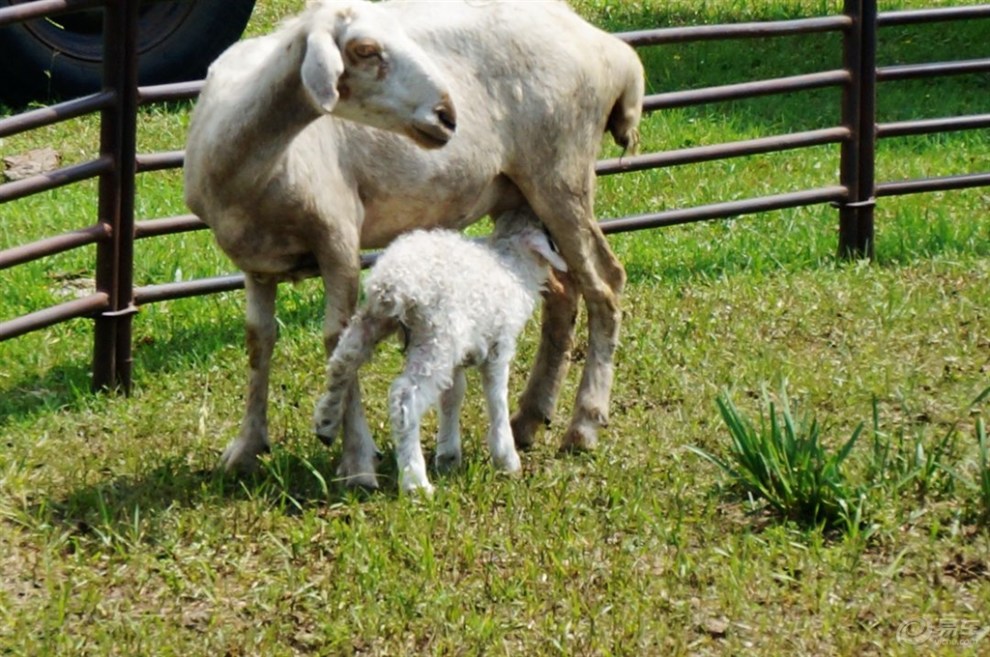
[[269, 109]]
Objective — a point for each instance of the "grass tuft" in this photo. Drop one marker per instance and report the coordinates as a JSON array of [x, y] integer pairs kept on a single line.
[[784, 462]]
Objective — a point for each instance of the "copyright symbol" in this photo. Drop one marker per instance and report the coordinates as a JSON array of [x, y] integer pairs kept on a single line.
[[916, 631]]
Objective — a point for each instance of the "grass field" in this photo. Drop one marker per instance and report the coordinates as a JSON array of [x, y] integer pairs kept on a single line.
[[118, 536]]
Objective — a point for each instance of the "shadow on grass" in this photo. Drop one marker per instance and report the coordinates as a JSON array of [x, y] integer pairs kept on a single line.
[[129, 508], [67, 386]]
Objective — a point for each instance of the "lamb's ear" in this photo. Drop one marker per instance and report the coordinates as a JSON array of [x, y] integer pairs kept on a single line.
[[539, 243], [321, 68]]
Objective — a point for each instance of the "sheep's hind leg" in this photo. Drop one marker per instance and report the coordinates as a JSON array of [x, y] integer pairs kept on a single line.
[[495, 381], [537, 403], [242, 453], [448, 456], [360, 457], [567, 210], [601, 287]]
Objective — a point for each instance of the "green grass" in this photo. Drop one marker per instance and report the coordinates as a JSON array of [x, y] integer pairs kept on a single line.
[[783, 462], [118, 536]]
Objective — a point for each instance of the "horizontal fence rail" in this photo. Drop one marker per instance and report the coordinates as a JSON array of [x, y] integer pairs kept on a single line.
[[116, 299]]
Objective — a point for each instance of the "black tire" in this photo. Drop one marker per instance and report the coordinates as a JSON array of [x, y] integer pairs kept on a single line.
[[59, 58]]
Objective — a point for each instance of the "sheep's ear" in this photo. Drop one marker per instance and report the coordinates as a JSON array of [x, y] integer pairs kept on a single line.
[[321, 68], [539, 243]]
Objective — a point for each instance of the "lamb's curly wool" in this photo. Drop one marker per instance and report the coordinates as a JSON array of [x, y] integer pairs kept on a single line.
[[460, 303], [288, 186]]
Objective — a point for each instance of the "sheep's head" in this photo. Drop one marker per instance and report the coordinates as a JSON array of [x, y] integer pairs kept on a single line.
[[360, 65]]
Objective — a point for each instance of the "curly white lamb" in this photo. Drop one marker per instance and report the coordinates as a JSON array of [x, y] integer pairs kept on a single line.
[[288, 187], [459, 303]]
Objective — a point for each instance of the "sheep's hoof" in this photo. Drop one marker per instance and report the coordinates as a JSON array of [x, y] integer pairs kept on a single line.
[[524, 427], [356, 476], [579, 439], [241, 457]]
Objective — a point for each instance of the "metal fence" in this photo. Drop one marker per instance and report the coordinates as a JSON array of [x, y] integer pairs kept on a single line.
[[115, 299]]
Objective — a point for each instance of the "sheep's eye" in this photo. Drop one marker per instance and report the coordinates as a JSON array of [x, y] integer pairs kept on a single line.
[[365, 49]]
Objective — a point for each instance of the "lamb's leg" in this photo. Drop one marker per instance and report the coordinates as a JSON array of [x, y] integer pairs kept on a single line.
[[448, 456], [566, 208], [495, 381], [340, 271], [242, 453], [354, 349], [342, 402], [411, 394], [537, 403]]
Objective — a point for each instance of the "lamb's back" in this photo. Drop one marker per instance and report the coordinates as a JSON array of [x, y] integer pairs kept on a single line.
[[442, 277]]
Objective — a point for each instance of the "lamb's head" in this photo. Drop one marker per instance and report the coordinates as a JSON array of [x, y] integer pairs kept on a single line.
[[360, 65], [521, 233]]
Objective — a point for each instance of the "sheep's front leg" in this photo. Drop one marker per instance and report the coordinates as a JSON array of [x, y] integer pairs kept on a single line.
[[242, 454], [448, 456], [495, 381], [537, 403]]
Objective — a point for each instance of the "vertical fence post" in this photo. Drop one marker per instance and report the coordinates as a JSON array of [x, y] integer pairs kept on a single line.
[[114, 257], [858, 159]]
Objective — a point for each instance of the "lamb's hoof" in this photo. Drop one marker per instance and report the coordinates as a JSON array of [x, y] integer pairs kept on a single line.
[[508, 464], [524, 427], [241, 457], [325, 437], [579, 438], [447, 462], [422, 490], [326, 428]]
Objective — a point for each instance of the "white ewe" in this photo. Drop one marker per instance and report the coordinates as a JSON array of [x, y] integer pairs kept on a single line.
[[458, 303], [287, 187]]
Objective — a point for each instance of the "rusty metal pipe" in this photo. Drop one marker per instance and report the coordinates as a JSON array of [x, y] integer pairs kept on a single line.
[[697, 154], [931, 70], [751, 30], [929, 126], [52, 114], [914, 16], [57, 178], [159, 161], [745, 90], [724, 210], [51, 245], [936, 184], [85, 307], [39, 8], [167, 226]]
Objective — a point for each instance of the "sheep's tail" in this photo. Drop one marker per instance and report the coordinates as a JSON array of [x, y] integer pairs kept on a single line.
[[623, 120], [357, 344]]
